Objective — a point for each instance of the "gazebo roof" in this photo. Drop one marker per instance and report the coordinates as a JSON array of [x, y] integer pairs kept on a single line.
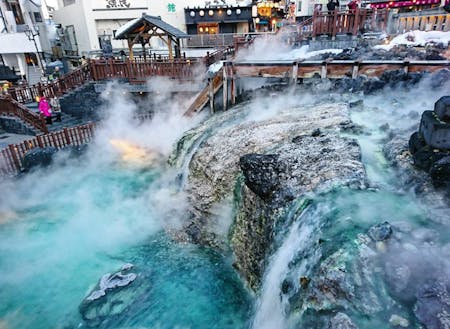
[[147, 22]]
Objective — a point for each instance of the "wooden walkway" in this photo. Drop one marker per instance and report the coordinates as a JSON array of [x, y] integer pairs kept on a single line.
[[333, 69]]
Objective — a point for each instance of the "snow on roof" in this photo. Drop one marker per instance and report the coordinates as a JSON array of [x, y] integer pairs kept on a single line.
[[127, 25], [417, 38]]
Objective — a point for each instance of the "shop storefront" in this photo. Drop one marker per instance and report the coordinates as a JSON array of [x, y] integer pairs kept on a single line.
[[269, 15], [218, 19]]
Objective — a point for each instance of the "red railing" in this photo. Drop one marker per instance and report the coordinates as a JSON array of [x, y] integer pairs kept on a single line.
[[11, 158], [11, 107], [349, 22], [138, 70], [27, 94]]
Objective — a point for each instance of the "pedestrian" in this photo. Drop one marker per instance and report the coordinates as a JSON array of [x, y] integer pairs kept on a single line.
[[56, 108], [331, 6], [352, 5], [83, 60], [56, 73], [45, 109], [122, 55]]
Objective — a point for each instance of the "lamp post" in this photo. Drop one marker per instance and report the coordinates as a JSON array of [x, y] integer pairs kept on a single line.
[[31, 35]]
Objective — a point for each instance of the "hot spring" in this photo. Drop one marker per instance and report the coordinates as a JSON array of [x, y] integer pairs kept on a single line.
[[63, 227]]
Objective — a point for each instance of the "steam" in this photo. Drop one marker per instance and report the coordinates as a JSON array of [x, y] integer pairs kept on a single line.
[[274, 47]]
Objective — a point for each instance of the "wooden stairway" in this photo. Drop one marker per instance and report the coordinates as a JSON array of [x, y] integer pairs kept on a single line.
[[206, 94]]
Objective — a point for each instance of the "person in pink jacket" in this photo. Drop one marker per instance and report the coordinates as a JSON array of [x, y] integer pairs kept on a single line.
[[45, 109]]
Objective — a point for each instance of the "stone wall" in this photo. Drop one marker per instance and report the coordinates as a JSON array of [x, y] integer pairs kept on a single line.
[[14, 126], [83, 103]]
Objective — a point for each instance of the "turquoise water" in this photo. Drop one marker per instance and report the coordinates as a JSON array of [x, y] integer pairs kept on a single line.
[[63, 229], [58, 240]]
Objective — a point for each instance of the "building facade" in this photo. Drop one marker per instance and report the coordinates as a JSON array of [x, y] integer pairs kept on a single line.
[[88, 26], [24, 44]]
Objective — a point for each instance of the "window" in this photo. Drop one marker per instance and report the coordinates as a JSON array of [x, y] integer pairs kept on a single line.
[[37, 17], [15, 8], [68, 2]]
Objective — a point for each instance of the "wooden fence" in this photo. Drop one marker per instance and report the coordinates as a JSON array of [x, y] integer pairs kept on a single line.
[[11, 158], [423, 21], [218, 55], [11, 107], [141, 70], [58, 87], [349, 22]]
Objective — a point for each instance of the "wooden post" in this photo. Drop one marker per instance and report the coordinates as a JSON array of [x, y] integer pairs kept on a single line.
[[294, 75], [225, 87], [355, 70], [130, 49], [66, 136], [406, 66], [169, 44], [323, 73], [211, 95], [232, 86], [40, 142], [143, 51], [356, 23], [335, 25], [13, 152], [314, 25]]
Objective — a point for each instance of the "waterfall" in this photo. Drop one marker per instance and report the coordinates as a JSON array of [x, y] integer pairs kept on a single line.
[[272, 304]]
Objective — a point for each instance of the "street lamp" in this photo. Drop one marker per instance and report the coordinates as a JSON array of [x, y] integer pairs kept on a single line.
[[31, 35]]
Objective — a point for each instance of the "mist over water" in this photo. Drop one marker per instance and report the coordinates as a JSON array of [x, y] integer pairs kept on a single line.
[[65, 226]]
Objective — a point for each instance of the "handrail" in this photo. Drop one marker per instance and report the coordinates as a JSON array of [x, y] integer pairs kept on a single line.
[[9, 106], [11, 158], [218, 55], [140, 70], [349, 22], [58, 87]]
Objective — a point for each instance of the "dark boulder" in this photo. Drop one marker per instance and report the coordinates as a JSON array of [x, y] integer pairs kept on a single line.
[[442, 108], [380, 232], [426, 156], [440, 78], [373, 85], [316, 133], [38, 157], [416, 142], [440, 170], [261, 173]]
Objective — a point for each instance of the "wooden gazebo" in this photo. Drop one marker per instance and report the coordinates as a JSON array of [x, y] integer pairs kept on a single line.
[[141, 30]]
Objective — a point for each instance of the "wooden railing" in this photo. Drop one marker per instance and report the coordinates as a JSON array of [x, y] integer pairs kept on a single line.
[[58, 87], [140, 70], [423, 21], [218, 55], [11, 107], [11, 158], [349, 22], [206, 94]]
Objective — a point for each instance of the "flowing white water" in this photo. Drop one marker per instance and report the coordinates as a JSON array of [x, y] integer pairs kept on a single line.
[[271, 305]]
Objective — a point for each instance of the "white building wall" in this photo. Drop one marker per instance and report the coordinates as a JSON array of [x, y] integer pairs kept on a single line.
[[13, 41], [74, 15], [161, 8], [93, 18]]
